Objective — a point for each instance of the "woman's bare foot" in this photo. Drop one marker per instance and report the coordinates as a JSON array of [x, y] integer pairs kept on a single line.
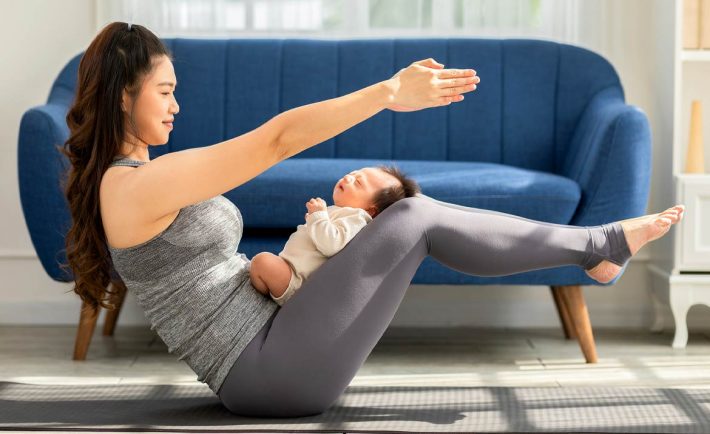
[[638, 232]]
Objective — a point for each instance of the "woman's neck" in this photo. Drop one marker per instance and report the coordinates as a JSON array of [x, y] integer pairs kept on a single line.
[[135, 151]]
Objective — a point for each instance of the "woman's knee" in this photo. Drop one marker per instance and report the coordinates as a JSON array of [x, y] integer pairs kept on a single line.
[[409, 205], [410, 213]]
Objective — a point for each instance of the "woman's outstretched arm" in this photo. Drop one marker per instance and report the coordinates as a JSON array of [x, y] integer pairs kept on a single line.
[[178, 179], [422, 85]]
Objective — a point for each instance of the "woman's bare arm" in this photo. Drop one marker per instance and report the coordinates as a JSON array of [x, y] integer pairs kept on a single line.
[[178, 179], [308, 125], [416, 87]]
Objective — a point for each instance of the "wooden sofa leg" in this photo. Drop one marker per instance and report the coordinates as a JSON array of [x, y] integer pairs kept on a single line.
[[573, 299], [112, 315], [87, 323], [567, 325]]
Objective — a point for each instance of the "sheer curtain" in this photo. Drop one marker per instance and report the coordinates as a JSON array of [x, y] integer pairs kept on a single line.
[[545, 19]]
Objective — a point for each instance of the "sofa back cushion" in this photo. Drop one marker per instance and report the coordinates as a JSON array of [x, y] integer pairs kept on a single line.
[[522, 114]]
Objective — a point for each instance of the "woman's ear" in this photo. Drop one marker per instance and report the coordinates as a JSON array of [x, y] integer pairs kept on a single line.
[[125, 101]]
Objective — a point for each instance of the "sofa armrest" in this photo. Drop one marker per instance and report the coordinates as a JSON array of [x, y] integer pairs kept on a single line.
[[609, 156], [40, 167]]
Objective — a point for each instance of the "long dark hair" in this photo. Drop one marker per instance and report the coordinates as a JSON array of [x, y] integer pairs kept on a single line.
[[118, 58]]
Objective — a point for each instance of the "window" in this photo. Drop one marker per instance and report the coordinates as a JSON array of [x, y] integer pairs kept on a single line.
[[547, 19]]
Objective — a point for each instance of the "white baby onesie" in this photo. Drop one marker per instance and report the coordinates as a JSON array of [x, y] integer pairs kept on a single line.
[[324, 234]]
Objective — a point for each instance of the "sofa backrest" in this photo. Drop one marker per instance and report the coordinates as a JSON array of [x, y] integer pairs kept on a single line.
[[531, 95]]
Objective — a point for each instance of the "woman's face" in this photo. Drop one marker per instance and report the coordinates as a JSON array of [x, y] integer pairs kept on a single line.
[[155, 105], [357, 189]]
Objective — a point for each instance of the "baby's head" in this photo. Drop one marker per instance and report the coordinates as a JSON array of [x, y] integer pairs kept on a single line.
[[373, 189]]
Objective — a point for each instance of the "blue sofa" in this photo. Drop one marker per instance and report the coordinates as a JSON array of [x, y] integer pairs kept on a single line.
[[547, 136]]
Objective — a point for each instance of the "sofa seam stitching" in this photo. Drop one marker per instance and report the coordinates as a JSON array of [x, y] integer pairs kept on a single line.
[[448, 110], [337, 92], [393, 116], [554, 118], [281, 77], [609, 151], [502, 101]]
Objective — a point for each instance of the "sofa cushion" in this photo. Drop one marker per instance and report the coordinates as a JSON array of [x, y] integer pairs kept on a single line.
[[277, 197]]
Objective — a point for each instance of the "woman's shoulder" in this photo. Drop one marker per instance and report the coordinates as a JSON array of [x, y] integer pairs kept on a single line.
[[125, 223], [114, 191]]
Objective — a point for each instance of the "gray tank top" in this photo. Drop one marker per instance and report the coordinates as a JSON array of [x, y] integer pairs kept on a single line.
[[194, 286]]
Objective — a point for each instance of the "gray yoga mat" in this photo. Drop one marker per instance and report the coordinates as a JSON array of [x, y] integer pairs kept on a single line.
[[194, 408]]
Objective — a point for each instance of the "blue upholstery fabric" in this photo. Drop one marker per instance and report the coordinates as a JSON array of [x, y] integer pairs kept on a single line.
[[547, 135], [277, 197]]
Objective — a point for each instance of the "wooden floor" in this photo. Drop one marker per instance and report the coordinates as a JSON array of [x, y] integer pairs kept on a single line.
[[479, 357], [421, 357]]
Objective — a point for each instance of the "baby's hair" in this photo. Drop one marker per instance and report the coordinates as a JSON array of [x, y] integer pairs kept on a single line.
[[407, 187]]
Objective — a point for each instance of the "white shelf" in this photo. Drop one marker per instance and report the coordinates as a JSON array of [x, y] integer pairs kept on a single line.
[[687, 248], [695, 55], [692, 236], [693, 176]]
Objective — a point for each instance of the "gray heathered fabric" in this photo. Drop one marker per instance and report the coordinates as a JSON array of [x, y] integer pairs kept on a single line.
[[194, 287]]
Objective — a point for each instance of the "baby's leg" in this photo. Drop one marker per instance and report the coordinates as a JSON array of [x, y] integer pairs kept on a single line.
[[270, 273]]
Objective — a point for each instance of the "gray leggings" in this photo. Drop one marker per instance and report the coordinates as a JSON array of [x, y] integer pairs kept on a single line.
[[312, 347]]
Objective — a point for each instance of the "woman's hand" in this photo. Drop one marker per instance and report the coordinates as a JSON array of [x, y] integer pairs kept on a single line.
[[425, 84]]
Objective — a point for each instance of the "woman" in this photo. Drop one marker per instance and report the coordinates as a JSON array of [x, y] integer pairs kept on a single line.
[[163, 229]]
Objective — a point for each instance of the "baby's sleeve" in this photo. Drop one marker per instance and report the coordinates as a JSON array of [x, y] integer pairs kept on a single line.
[[331, 235]]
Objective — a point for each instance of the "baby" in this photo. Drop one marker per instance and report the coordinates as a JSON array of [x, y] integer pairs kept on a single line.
[[358, 196]]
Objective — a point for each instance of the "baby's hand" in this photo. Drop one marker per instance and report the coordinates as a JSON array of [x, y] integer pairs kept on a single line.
[[314, 205]]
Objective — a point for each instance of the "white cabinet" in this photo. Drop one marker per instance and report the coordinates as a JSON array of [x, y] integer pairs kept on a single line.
[[682, 278], [694, 236]]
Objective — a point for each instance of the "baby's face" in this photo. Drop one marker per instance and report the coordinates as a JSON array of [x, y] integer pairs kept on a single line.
[[357, 189]]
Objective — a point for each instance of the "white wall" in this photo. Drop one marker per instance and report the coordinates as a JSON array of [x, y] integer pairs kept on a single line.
[[48, 33], [39, 37]]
